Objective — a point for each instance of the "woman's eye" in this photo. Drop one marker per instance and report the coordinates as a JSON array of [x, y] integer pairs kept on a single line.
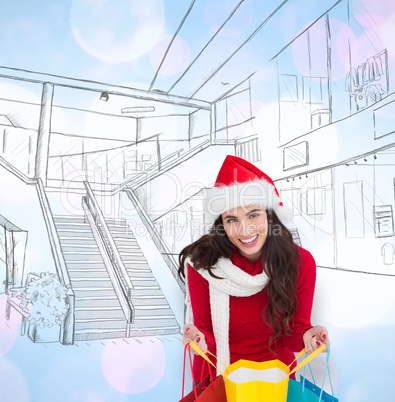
[[254, 215], [231, 220]]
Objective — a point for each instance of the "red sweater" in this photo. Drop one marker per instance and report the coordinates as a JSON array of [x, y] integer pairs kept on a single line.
[[248, 334]]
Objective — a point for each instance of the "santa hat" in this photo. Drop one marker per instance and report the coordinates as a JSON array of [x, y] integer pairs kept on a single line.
[[239, 184]]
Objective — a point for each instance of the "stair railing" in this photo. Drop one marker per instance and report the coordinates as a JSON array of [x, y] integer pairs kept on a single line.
[[130, 185], [115, 266], [169, 257], [67, 334]]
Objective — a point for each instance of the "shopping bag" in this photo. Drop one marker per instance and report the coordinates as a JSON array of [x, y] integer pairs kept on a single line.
[[248, 381], [208, 390], [306, 391], [296, 393], [251, 381], [310, 393], [321, 395]]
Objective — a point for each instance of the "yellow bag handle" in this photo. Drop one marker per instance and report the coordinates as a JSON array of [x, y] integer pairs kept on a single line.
[[308, 359], [200, 352], [301, 353]]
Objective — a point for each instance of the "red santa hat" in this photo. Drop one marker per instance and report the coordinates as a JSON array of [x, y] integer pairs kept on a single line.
[[239, 184]]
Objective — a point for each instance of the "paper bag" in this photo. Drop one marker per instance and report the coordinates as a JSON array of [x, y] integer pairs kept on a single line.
[[248, 381]]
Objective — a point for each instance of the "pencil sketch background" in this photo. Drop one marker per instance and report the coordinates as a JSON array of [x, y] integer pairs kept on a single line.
[[114, 118]]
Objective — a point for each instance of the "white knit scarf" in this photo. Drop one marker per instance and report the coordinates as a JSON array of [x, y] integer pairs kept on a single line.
[[236, 282]]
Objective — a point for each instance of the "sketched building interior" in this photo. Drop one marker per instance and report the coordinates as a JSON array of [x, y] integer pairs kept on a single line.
[[92, 159]]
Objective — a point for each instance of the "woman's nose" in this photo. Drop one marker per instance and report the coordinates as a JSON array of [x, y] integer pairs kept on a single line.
[[246, 229]]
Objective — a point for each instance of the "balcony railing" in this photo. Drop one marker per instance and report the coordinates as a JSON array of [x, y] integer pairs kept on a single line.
[[67, 335]]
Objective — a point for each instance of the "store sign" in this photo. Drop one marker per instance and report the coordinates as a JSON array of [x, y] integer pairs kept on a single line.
[[383, 221]]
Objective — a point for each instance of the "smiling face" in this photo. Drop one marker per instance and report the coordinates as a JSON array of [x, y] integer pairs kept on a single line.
[[246, 228]]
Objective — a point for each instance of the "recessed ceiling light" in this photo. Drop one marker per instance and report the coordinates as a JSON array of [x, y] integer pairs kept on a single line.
[[138, 109]]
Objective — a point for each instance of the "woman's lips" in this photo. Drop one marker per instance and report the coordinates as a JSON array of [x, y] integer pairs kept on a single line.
[[250, 241]]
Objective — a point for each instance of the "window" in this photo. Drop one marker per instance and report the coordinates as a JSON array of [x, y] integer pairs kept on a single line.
[[296, 156], [248, 149]]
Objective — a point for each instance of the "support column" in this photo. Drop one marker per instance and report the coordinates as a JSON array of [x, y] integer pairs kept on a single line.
[[44, 131], [213, 123]]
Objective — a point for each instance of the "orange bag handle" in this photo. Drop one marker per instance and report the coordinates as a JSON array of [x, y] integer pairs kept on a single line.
[[200, 352], [187, 347]]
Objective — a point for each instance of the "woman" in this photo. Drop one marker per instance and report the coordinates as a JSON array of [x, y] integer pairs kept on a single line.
[[250, 288]]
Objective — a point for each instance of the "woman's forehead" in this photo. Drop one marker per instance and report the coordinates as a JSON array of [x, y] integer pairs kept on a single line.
[[239, 211]]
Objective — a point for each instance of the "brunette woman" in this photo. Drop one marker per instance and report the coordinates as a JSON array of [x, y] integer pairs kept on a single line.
[[250, 288]]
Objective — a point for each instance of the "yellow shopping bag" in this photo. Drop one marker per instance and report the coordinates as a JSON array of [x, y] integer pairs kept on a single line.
[[248, 381]]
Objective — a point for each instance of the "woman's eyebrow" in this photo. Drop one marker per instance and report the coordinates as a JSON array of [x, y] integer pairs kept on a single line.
[[254, 210], [247, 213]]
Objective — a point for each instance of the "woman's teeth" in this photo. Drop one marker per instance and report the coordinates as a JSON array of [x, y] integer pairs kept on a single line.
[[249, 240]]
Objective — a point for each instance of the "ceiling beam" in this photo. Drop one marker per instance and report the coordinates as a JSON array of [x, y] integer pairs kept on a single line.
[[96, 86], [171, 42]]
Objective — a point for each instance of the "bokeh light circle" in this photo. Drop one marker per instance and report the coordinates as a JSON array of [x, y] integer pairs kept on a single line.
[[376, 27], [134, 367], [177, 58], [120, 33], [382, 8]]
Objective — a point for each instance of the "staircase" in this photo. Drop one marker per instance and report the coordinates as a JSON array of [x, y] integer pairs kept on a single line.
[[98, 313], [152, 313]]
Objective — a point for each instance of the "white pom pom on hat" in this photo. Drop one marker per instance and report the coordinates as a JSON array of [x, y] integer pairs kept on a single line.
[[239, 184]]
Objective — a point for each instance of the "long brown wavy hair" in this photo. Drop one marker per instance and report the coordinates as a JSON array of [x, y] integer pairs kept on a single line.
[[280, 261]]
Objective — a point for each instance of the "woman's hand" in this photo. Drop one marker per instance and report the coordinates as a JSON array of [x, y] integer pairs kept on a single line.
[[191, 333], [314, 338]]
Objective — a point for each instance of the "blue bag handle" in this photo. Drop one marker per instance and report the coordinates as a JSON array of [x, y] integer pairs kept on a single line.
[[323, 381]]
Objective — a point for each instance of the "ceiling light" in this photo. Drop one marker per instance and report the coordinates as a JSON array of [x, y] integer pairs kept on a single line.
[[138, 109], [104, 96]]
